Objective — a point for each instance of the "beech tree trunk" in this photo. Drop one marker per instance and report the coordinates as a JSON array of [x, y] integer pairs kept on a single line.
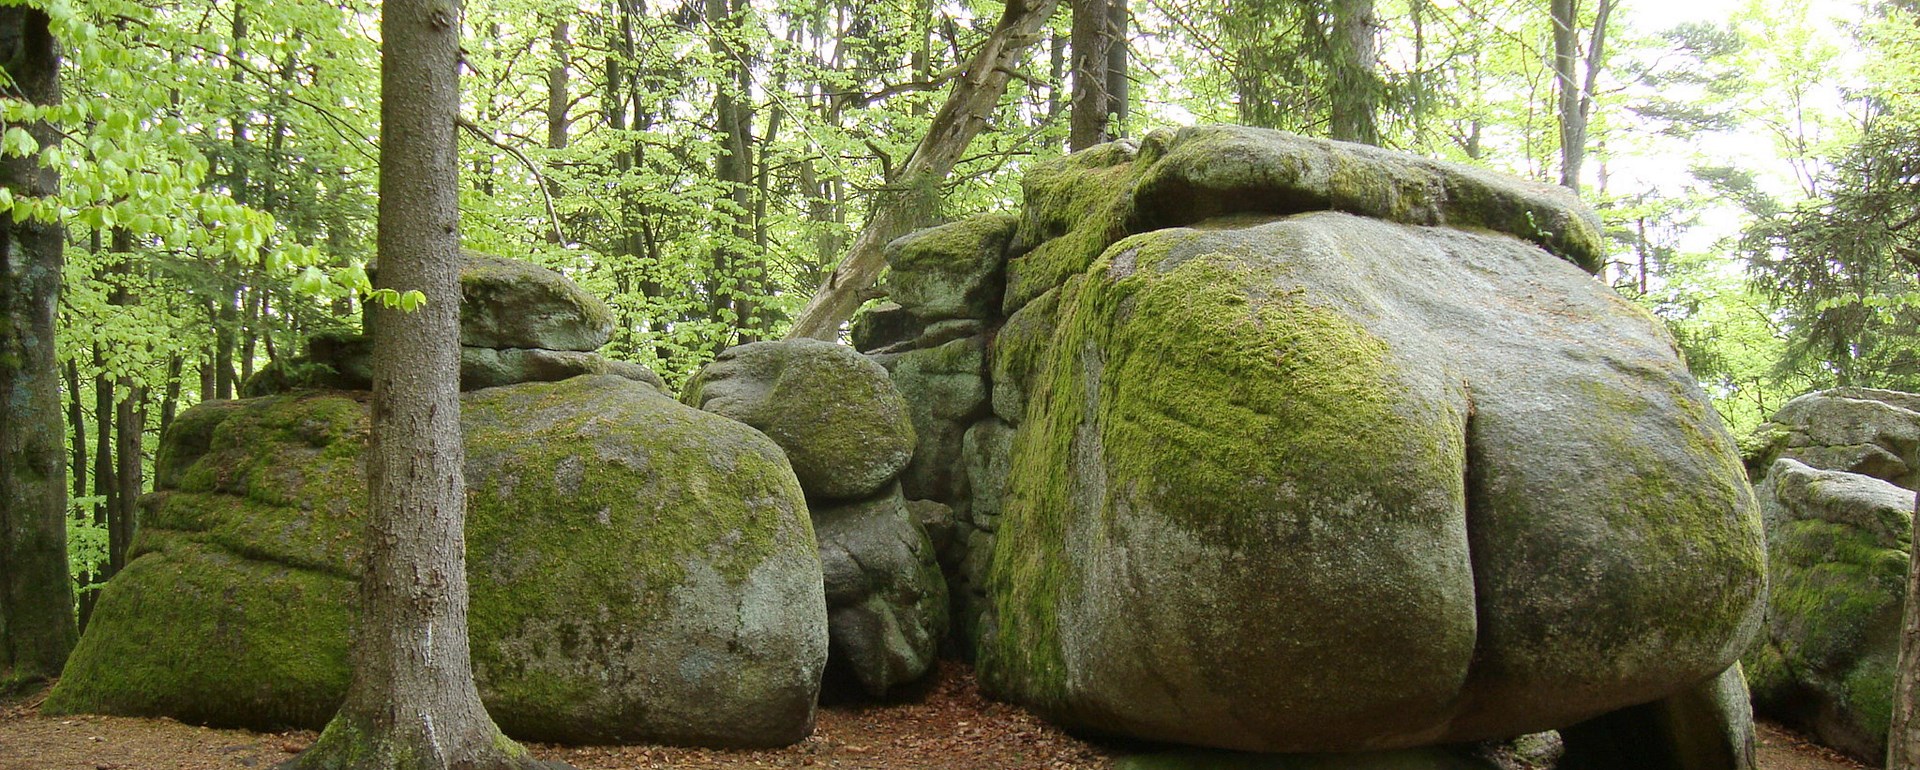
[[1576, 77], [36, 596], [910, 197], [412, 702], [1903, 736]]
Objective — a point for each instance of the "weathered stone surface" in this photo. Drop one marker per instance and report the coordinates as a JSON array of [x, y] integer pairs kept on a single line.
[[1259, 450], [1705, 727], [508, 303], [945, 388], [1858, 430], [1838, 549], [886, 600], [882, 325], [343, 363], [836, 413], [640, 571], [951, 271]]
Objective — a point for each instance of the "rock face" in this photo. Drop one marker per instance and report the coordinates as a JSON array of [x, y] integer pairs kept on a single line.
[[848, 434], [840, 420], [640, 570], [1837, 494], [519, 322], [1857, 430], [1285, 445]]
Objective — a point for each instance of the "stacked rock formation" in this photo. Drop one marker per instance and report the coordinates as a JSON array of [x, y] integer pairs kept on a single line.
[[846, 431], [1274, 444], [640, 570], [519, 322], [1836, 472]]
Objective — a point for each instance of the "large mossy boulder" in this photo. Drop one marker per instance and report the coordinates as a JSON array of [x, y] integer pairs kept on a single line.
[[841, 421], [640, 570], [1838, 556], [1344, 451]]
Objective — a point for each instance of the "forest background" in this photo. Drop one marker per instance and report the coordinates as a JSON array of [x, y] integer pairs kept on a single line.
[[704, 164]]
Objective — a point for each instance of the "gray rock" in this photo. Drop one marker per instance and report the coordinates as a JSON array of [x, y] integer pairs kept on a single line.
[[1838, 549], [1857, 430], [986, 453], [640, 571], [886, 600], [1705, 727], [953, 271], [1272, 446], [508, 303], [945, 388], [882, 325], [937, 519], [494, 367], [838, 415]]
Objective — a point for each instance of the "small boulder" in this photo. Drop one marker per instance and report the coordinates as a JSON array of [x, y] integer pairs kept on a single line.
[[510, 303], [1838, 549], [886, 599], [842, 423], [952, 271]]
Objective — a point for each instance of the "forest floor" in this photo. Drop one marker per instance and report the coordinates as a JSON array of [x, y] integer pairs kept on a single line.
[[951, 728]]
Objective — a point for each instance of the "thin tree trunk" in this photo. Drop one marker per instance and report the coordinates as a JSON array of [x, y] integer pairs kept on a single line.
[[557, 96], [170, 405], [909, 197], [1903, 736], [1575, 104], [1118, 21], [412, 701], [106, 487], [36, 596], [77, 427]]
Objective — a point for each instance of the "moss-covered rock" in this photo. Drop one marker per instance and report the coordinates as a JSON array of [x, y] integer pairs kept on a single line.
[[951, 271], [886, 600], [1838, 546], [945, 388], [509, 303], [1858, 430], [1326, 483], [639, 570], [1208, 172], [839, 417]]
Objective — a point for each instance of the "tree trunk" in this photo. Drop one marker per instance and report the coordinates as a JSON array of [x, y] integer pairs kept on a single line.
[[412, 702], [1575, 89], [1353, 86], [1092, 35], [557, 98], [130, 421], [1118, 20], [1903, 736], [910, 196], [36, 596]]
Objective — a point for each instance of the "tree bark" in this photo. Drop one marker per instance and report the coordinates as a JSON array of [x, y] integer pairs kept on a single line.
[[412, 701], [1575, 88], [1353, 89], [909, 197], [36, 596], [1092, 38], [1903, 736]]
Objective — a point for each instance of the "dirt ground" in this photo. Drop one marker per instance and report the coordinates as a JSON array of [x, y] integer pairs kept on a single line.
[[952, 728]]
